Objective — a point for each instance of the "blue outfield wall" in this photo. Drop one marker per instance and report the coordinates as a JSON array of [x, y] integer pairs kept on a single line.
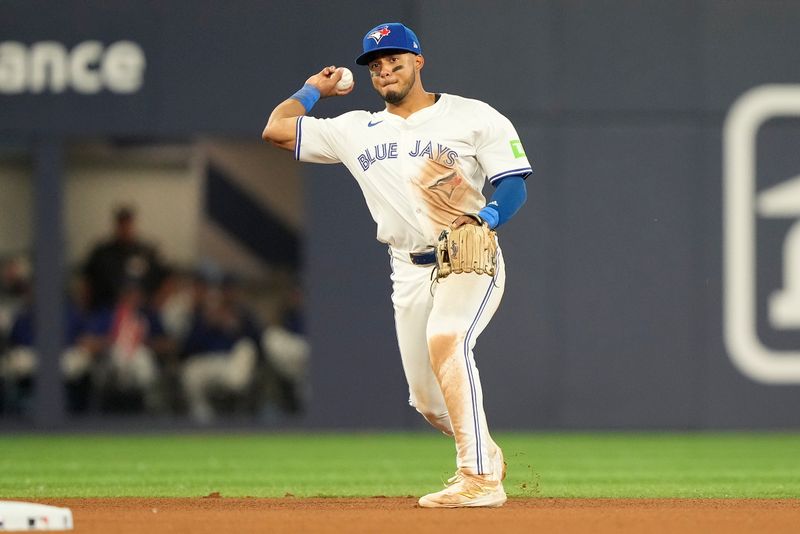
[[614, 314]]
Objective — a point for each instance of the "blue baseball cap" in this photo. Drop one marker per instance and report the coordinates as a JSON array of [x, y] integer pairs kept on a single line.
[[389, 36]]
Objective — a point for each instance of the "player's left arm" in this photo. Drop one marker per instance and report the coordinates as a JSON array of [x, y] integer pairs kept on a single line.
[[509, 196], [502, 157]]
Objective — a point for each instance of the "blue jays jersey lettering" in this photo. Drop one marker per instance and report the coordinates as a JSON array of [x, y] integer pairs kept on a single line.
[[443, 154], [377, 153], [417, 174]]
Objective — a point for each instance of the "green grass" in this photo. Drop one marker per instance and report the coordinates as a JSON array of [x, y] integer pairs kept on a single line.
[[271, 465]]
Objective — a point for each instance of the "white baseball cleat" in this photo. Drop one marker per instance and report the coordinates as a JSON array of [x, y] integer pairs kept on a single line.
[[465, 490]]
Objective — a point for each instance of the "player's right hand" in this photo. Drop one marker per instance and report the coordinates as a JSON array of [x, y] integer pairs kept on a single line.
[[326, 80]]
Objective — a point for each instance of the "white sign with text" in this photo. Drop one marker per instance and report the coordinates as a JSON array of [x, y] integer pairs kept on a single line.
[[88, 68]]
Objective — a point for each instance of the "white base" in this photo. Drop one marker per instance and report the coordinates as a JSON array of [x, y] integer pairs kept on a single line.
[[18, 516]]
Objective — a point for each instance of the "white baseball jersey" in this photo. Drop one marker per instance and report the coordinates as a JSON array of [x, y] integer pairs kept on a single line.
[[418, 174]]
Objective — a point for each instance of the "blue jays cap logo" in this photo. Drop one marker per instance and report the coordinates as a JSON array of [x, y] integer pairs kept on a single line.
[[388, 36], [380, 34]]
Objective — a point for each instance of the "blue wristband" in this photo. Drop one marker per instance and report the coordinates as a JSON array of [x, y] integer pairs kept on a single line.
[[490, 215], [307, 96], [509, 196]]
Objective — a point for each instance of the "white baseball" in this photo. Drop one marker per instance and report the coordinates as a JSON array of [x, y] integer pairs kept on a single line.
[[346, 81]]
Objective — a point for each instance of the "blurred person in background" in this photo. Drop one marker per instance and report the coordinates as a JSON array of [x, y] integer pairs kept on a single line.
[[174, 302], [122, 257], [14, 276], [220, 352], [19, 359], [288, 351], [127, 342]]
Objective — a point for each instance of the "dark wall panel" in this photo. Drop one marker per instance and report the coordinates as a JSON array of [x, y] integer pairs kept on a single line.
[[627, 264], [256, 54], [504, 57], [623, 56], [748, 43]]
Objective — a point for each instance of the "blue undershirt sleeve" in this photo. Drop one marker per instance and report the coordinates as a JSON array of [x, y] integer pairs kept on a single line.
[[509, 195]]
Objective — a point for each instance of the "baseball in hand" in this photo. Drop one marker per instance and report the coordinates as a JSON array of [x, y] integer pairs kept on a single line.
[[346, 81]]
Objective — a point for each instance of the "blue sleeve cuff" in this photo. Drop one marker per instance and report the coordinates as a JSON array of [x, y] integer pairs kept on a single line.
[[522, 172], [490, 215]]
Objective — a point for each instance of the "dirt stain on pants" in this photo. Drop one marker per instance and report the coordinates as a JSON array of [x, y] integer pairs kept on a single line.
[[452, 376]]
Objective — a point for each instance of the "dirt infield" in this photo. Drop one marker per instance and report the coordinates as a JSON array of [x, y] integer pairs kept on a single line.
[[401, 515]]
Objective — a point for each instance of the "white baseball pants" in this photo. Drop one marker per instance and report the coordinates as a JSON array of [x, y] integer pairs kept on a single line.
[[437, 326]]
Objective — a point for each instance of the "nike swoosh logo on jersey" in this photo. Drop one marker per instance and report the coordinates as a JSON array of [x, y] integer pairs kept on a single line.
[[370, 124]]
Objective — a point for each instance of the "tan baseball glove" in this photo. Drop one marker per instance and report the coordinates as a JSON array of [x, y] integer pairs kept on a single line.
[[466, 249]]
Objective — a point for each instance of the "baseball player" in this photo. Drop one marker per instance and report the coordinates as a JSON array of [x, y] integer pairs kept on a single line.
[[422, 163]]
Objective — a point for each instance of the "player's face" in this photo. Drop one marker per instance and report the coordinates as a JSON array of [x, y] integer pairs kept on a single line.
[[393, 75]]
